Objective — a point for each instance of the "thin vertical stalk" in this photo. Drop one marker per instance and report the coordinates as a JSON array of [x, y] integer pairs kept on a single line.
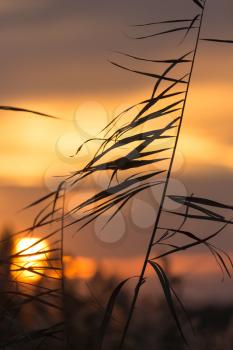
[[62, 242], [62, 265], [163, 197]]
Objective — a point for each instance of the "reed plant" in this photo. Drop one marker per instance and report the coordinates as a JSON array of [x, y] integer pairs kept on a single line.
[[130, 152]]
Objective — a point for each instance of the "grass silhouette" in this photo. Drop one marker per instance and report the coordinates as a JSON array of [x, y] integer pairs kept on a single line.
[[159, 118]]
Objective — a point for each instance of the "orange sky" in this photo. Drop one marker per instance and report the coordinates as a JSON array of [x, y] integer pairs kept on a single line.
[[36, 145], [56, 62], [62, 69]]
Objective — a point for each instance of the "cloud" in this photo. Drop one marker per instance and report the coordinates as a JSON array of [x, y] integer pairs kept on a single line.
[[57, 47]]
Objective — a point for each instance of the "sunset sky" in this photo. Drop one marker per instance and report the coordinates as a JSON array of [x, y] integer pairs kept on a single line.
[[54, 59]]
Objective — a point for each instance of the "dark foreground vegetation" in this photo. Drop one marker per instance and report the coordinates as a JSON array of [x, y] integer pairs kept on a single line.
[[25, 315]]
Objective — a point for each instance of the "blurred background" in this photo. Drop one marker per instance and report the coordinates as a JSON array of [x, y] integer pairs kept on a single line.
[[54, 58]]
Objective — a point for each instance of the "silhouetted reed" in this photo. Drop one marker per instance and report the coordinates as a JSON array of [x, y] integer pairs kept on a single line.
[[138, 140]]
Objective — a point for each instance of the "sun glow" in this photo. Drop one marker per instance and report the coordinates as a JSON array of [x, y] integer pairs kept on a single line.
[[79, 267], [29, 259]]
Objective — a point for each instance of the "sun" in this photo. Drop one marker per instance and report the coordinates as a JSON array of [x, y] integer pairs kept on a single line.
[[29, 259]]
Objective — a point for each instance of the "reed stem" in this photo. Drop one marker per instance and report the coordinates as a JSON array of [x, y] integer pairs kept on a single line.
[[163, 197]]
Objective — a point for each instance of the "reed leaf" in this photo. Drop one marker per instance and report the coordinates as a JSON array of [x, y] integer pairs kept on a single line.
[[226, 41], [168, 295], [164, 32], [199, 3], [152, 75], [108, 312], [18, 109], [163, 22]]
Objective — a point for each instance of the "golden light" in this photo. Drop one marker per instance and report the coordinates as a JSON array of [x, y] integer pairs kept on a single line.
[[28, 262], [79, 267]]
